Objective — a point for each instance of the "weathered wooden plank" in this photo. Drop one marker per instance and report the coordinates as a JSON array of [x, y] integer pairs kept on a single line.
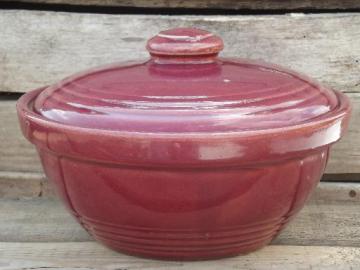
[[18, 155], [211, 4], [38, 220], [90, 255], [40, 47], [331, 217], [20, 185], [324, 220], [345, 155]]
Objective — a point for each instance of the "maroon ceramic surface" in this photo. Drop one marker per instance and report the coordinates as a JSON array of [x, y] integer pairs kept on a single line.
[[185, 155]]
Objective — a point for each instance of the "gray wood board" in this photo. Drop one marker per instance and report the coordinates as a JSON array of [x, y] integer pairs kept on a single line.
[[330, 218], [20, 185], [41, 47], [90, 255]]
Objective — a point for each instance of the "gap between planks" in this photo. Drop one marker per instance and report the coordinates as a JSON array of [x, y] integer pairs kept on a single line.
[[208, 4]]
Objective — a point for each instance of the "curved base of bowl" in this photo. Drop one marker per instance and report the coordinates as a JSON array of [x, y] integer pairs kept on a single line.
[[182, 213], [180, 245], [190, 255]]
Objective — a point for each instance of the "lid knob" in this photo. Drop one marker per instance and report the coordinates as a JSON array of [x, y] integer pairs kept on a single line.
[[184, 45]]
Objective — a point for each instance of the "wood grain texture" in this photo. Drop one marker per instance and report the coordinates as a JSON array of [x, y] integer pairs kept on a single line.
[[345, 155], [38, 220], [40, 47], [211, 4], [20, 185], [18, 155], [90, 255], [330, 218], [15, 185]]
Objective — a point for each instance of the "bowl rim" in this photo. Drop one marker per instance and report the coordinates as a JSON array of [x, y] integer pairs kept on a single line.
[[172, 149]]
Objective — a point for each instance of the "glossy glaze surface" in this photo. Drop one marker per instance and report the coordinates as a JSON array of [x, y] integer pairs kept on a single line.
[[223, 96], [185, 155], [182, 213]]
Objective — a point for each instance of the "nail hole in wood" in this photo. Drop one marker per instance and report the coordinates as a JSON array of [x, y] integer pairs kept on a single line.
[[352, 193]]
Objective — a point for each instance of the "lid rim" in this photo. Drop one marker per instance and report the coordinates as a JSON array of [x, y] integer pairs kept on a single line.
[[220, 102]]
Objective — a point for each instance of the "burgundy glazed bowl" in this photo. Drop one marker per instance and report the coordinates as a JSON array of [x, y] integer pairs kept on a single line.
[[185, 155]]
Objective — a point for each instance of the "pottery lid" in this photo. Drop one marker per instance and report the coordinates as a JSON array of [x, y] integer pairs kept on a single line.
[[184, 87]]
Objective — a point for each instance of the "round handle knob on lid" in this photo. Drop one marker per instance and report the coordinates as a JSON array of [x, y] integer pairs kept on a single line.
[[184, 45]]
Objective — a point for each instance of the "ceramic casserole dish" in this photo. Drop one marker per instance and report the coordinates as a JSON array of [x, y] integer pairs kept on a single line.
[[185, 155]]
